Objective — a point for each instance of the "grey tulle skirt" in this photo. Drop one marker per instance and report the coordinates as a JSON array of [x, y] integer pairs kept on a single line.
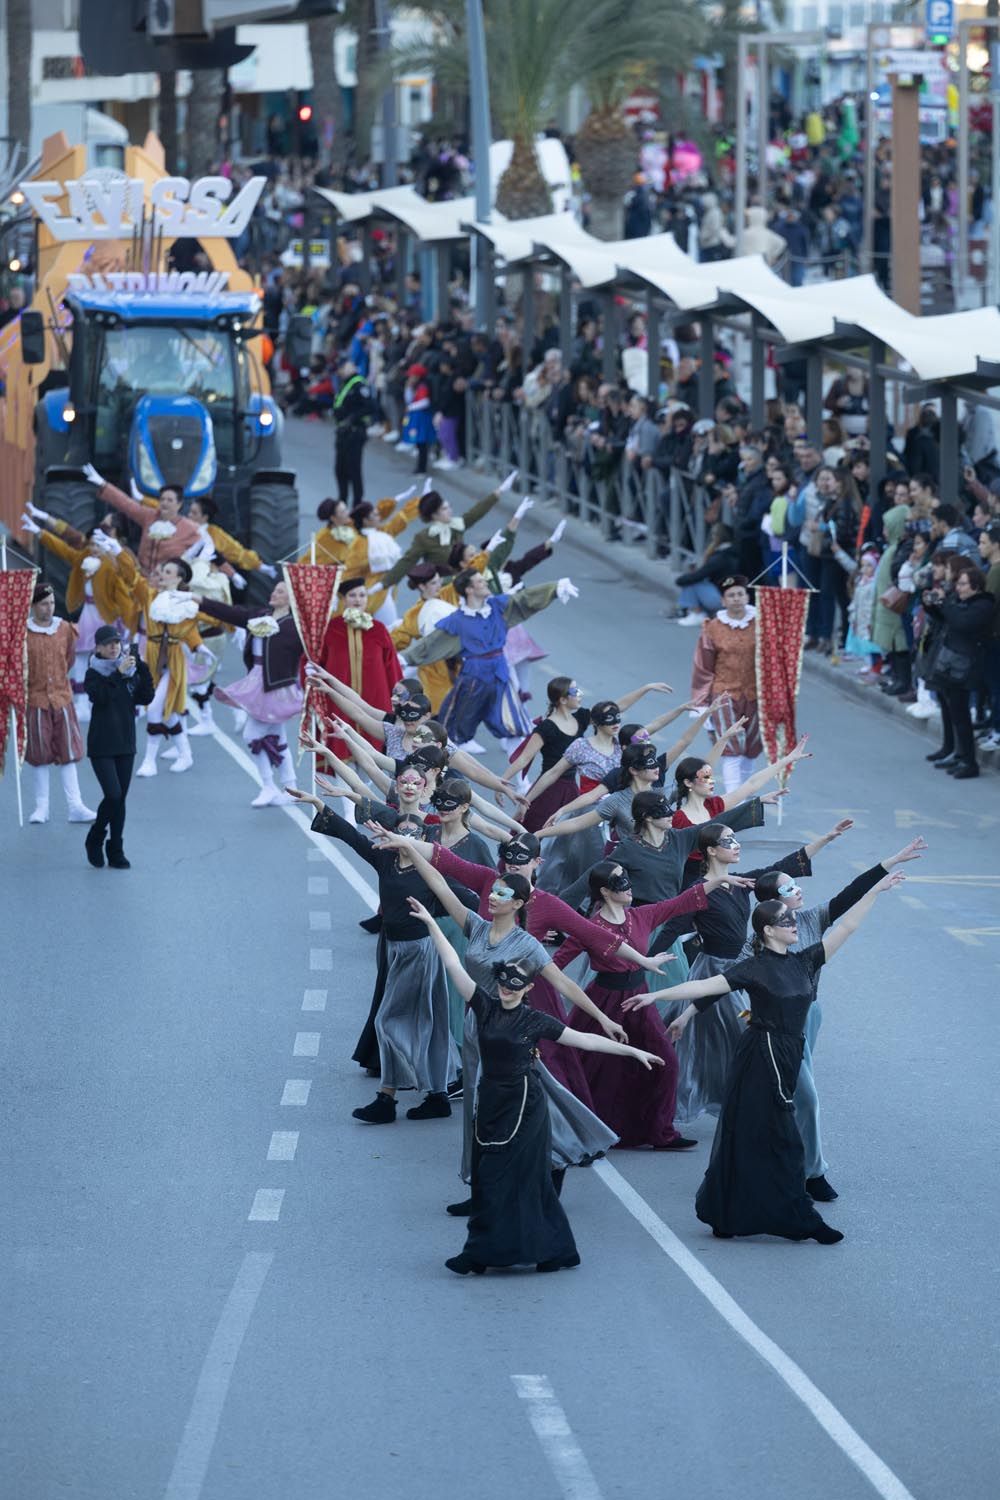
[[706, 1048], [416, 1050]]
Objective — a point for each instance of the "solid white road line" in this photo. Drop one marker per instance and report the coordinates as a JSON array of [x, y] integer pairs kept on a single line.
[[318, 885], [202, 1426], [320, 959], [879, 1475], [572, 1471], [266, 1205], [319, 921], [284, 1144], [296, 1091], [306, 1044], [314, 999], [850, 1443]]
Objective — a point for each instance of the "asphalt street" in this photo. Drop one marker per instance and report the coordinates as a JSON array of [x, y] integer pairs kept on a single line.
[[217, 1285]]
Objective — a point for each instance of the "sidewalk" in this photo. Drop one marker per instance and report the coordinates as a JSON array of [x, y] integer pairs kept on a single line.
[[656, 574]]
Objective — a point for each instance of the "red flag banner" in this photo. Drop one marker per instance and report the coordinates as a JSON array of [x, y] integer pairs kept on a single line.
[[312, 594], [781, 629], [16, 589]]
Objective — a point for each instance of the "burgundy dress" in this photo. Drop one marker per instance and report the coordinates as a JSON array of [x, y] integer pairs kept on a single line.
[[555, 743], [636, 1104]]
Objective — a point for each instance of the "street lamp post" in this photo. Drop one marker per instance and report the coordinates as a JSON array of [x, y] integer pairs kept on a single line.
[[479, 98], [760, 42]]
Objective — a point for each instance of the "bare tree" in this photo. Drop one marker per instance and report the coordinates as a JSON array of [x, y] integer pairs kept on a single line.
[[19, 71]]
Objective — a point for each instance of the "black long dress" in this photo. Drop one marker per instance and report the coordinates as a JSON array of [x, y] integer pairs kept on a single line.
[[516, 1218], [755, 1182]]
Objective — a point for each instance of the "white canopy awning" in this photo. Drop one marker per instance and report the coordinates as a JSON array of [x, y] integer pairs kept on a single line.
[[431, 223]]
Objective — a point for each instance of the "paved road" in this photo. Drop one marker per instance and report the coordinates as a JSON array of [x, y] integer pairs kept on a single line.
[[160, 1341]]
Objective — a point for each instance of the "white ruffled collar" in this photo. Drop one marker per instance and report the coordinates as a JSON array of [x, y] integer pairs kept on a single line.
[[482, 613], [747, 619], [49, 629], [173, 607], [443, 531]]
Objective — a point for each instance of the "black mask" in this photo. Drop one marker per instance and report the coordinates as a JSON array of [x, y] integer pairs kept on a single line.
[[619, 883], [610, 719], [513, 853], [786, 919], [444, 803], [409, 713], [510, 978], [649, 764], [658, 809]]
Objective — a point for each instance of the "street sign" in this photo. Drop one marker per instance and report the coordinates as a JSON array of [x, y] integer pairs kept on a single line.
[[940, 21], [910, 60]]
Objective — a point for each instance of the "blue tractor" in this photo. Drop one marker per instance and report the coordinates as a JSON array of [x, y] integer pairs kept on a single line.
[[163, 389]]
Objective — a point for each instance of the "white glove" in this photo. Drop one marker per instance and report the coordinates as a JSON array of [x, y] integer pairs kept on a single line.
[[557, 535], [428, 486], [28, 525], [135, 491], [401, 499], [238, 580], [514, 589], [39, 515], [508, 483], [523, 508], [494, 541], [566, 590], [111, 545], [268, 569], [92, 477]]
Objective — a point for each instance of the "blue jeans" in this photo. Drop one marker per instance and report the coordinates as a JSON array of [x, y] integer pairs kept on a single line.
[[703, 595]]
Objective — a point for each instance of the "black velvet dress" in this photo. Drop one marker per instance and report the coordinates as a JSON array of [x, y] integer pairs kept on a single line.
[[516, 1218], [755, 1182]]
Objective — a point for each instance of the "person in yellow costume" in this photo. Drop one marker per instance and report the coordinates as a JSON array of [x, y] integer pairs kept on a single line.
[[437, 599], [172, 638], [94, 587], [203, 513], [376, 549], [343, 541]]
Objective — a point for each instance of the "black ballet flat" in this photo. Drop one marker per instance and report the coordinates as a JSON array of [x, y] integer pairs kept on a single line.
[[564, 1263], [941, 754], [824, 1235], [434, 1107], [820, 1190], [946, 763], [719, 1235], [460, 1210], [463, 1264], [682, 1143]]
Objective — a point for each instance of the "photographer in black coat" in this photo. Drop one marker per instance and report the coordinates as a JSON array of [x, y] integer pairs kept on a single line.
[[117, 683]]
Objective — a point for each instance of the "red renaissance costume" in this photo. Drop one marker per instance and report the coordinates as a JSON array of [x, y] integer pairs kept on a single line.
[[359, 651]]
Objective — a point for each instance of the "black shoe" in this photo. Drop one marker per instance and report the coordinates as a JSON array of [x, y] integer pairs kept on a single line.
[[116, 856], [93, 844], [566, 1263], [682, 1143], [460, 1210], [372, 924], [820, 1190], [434, 1107], [381, 1111], [947, 763], [719, 1235], [827, 1236], [456, 1089], [558, 1176], [964, 772], [463, 1264], [941, 754]]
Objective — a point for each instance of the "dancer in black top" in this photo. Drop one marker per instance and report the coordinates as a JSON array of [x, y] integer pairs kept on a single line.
[[516, 1217], [755, 1183]]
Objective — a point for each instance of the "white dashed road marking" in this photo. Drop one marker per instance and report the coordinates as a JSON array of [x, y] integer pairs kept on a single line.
[[296, 1091], [284, 1144], [266, 1205], [570, 1467], [306, 1044]]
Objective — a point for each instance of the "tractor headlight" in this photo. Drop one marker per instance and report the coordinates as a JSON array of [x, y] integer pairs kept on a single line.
[[204, 475], [149, 477], [265, 418]]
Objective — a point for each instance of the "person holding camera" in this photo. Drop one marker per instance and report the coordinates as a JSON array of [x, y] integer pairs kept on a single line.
[[117, 683]]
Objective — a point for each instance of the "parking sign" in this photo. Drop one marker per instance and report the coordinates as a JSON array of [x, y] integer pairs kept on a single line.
[[940, 18]]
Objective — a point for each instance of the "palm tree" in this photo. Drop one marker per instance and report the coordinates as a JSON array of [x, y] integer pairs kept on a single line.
[[633, 40], [204, 106], [19, 71], [328, 101]]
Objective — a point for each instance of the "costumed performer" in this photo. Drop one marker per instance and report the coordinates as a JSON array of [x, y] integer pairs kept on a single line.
[[166, 534], [755, 1182], [516, 1218], [269, 694], [53, 732], [725, 666], [358, 649], [441, 529]]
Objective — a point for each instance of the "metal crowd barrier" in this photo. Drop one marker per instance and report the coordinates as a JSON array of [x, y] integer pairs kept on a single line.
[[663, 515]]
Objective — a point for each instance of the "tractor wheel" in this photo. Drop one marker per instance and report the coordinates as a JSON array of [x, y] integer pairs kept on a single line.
[[274, 524]]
